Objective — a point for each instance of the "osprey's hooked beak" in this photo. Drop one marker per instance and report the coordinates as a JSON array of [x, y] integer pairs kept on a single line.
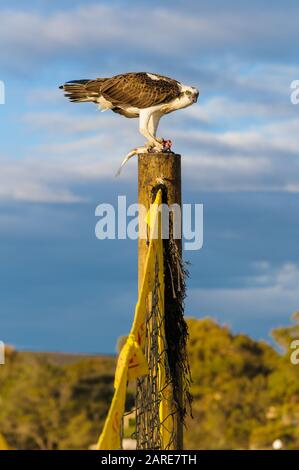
[[196, 95]]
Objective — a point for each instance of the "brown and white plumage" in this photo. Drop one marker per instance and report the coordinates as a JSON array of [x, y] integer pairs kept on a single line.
[[145, 95]]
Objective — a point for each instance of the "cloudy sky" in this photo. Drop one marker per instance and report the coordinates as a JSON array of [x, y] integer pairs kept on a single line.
[[60, 287]]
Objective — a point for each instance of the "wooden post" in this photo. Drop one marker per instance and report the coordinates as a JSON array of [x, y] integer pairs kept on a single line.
[[152, 168]]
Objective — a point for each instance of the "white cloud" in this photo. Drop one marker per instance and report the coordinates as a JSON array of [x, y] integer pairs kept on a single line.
[[43, 95], [25, 35], [53, 169], [228, 111], [28, 180], [62, 123], [271, 293], [88, 146], [229, 154], [284, 277]]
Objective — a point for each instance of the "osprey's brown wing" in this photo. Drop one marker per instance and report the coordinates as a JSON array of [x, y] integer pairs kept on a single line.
[[139, 90]]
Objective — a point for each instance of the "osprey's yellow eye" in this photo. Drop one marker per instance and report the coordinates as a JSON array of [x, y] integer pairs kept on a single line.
[[188, 93]]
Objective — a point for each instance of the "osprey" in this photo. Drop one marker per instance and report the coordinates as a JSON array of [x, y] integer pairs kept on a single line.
[[145, 95]]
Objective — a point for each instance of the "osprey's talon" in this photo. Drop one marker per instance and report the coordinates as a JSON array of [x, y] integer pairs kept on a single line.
[[158, 147], [149, 146]]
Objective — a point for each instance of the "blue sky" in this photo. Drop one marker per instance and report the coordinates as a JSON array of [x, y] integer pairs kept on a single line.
[[60, 287]]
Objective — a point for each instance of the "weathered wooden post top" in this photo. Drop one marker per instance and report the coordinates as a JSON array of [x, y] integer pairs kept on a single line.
[[152, 168]]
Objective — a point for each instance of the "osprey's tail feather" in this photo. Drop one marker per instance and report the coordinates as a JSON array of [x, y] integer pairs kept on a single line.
[[76, 91]]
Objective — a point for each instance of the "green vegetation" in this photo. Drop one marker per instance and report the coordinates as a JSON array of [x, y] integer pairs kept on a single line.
[[246, 394], [47, 403]]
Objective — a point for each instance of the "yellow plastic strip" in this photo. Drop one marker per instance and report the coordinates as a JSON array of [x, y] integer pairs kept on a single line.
[[132, 363]]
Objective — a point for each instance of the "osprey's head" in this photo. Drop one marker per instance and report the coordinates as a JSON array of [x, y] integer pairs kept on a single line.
[[187, 96], [192, 94]]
